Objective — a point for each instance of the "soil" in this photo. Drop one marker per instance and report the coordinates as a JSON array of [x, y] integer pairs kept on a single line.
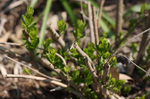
[[12, 88]]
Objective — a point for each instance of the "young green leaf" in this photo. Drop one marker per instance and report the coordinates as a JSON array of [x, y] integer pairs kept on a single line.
[[79, 28], [61, 26], [27, 71]]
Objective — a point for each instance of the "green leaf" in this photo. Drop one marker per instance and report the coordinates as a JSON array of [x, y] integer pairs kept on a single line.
[[30, 11], [74, 52], [65, 70], [47, 43], [126, 89], [75, 74], [26, 70], [113, 62], [79, 28], [143, 8], [90, 50], [32, 31], [115, 89], [51, 55], [107, 55], [61, 26]]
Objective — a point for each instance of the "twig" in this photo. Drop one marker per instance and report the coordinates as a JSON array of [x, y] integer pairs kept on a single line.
[[33, 69], [57, 54], [10, 53], [118, 21], [36, 78], [60, 41], [130, 40], [64, 77], [3, 21], [57, 37], [82, 11], [11, 6], [130, 31], [145, 75], [95, 26], [137, 65], [81, 52], [105, 72], [84, 16], [144, 42], [91, 23], [101, 88], [64, 61], [96, 31], [100, 11], [55, 89], [3, 70], [8, 43]]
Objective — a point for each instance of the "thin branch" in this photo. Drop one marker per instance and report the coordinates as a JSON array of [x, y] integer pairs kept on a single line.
[[130, 40], [3, 21], [11, 6], [101, 88], [91, 23], [118, 21], [36, 78], [81, 52], [60, 41], [84, 16], [95, 26], [136, 65], [14, 44], [57, 54], [145, 75], [33, 69], [10, 53], [144, 42], [130, 31], [65, 78], [82, 11], [96, 31], [100, 11], [57, 37], [64, 61], [105, 72], [56, 89]]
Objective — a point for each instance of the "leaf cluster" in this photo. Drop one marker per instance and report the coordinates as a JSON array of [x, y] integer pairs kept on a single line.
[[78, 76], [30, 30]]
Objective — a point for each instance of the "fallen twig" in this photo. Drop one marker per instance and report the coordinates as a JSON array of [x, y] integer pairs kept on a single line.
[[11, 6], [33, 69], [36, 78]]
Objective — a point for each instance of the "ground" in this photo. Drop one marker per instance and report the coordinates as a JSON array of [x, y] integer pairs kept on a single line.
[[11, 31]]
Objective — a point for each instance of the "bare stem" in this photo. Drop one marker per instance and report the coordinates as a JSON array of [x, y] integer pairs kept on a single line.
[[100, 11], [95, 26], [91, 23], [119, 15]]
